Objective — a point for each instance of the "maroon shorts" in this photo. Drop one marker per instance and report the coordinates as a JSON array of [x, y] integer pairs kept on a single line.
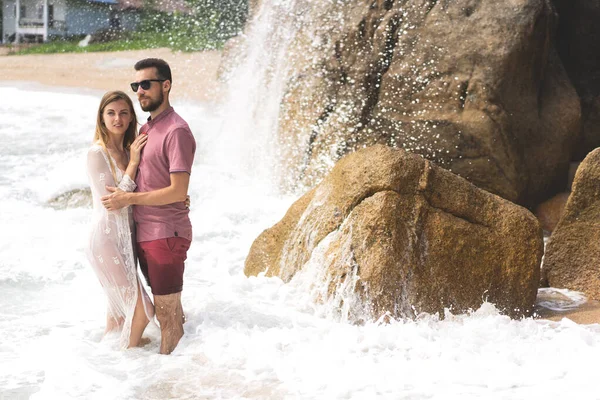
[[161, 262]]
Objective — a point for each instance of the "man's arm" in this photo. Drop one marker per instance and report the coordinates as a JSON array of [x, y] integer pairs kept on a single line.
[[175, 192]]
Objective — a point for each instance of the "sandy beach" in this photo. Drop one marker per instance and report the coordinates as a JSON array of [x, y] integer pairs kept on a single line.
[[588, 313], [194, 74]]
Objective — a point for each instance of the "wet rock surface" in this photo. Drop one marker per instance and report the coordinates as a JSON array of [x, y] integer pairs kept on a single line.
[[475, 86], [81, 197], [572, 258], [407, 237], [550, 211], [578, 43]]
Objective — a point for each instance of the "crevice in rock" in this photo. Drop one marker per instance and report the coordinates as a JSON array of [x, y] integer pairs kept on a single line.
[[546, 58], [423, 185], [432, 4], [505, 146], [463, 94], [313, 137], [373, 81], [464, 89], [362, 28], [498, 167], [470, 7]]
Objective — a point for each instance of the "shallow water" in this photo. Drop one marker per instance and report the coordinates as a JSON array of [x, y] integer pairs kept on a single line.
[[246, 338]]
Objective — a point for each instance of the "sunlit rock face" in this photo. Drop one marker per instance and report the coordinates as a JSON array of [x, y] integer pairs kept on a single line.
[[572, 258], [405, 236], [475, 86], [578, 42]]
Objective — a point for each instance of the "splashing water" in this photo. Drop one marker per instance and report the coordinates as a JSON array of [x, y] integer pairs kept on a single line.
[[246, 338], [255, 86]]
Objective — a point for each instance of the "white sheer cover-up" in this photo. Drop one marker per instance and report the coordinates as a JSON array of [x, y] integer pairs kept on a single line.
[[112, 243]]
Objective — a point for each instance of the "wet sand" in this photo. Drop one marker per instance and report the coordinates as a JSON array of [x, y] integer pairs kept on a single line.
[[587, 313], [194, 74]]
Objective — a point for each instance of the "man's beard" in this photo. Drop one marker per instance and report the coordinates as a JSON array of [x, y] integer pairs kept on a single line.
[[153, 105]]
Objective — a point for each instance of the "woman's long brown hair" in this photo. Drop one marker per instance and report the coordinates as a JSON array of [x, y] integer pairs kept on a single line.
[[101, 134]]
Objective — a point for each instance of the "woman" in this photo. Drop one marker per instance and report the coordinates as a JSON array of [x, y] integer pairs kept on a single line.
[[113, 161]]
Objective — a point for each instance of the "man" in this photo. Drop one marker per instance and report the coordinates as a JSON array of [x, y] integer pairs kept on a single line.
[[163, 227]]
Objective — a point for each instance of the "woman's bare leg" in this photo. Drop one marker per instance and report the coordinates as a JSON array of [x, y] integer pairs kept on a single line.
[[111, 323], [138, 324]]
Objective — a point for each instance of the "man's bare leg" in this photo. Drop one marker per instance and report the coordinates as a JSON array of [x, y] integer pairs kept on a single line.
[[138, 324], [169, 313], [183, 320]]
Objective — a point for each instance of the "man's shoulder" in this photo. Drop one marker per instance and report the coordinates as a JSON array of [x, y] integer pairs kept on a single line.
[[178, 123], [179, 126], [145, 125]]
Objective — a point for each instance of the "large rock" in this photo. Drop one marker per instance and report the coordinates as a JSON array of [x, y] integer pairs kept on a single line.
[[572, 258], [578, 42], [474, 85], [412, 236], [550, 211]]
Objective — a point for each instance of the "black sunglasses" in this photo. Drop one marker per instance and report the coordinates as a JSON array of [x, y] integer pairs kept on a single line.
[[145, 84]]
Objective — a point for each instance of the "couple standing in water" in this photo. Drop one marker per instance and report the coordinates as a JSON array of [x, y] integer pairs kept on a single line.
[[150, 171]]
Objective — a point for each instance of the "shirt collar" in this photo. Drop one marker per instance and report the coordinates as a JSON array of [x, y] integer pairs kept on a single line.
[[152, 121]]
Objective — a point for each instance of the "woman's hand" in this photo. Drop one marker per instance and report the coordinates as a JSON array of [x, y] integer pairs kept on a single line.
[[136, 148], [187, 201]]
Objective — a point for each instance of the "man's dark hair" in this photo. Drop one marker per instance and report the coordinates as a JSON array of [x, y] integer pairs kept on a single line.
[[162, 68]]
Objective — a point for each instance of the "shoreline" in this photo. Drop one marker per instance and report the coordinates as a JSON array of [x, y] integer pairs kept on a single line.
[[585, 314], [194, 74]]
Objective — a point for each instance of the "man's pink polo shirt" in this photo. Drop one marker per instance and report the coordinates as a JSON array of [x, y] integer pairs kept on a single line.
[[170, 148]]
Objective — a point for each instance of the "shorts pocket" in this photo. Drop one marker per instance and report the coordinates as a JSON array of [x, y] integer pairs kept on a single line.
[[178, 245], [171, 243]]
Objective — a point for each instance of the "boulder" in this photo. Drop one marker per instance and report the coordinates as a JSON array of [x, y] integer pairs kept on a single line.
[[473, 85], [550, 211], [572, 258], [405, 236], [578, 43]]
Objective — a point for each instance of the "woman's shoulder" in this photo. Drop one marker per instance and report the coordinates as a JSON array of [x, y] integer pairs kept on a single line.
[[96, 151], [96, 148]]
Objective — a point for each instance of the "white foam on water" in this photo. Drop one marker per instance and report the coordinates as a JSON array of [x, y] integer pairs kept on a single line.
[[556, 299], [253, 338]]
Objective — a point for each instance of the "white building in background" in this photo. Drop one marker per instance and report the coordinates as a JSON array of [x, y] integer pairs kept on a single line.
[[37, 20]]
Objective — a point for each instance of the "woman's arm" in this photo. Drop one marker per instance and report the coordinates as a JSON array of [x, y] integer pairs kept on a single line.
[[135, 155], [99, 172]]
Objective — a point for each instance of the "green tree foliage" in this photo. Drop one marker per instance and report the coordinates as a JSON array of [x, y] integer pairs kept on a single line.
[[204, 24]]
